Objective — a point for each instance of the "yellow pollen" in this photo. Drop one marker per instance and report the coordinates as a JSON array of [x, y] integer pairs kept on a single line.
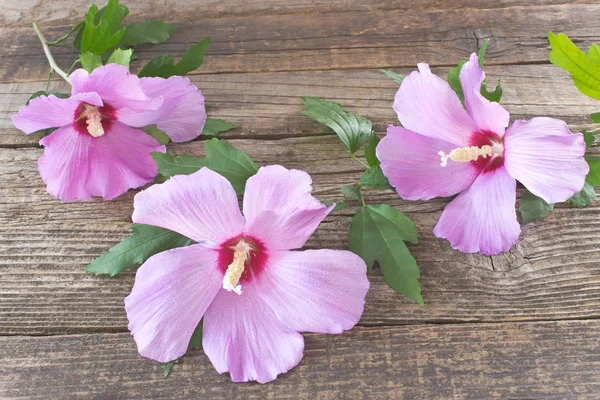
[[94, 122], [236, 268], [466, 154]]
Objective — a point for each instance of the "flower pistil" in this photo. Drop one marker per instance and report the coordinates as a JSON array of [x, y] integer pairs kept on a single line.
[[236, 268]]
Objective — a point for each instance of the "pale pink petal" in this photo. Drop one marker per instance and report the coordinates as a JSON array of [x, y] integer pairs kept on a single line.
[[242, 335], [120, 160], [202, 206], [64, 167], [182, 114], [279, 208], [546, 157], [482, 218], [315, 290], [412, 164], [45, 112], [426, 104], [117, 87], [172, 291], [489, 116]]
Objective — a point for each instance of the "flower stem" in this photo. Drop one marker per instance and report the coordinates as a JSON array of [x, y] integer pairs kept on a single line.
[[49, 56], [358, 161]]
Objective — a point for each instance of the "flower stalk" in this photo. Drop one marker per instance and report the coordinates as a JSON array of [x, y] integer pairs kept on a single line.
[[49, 56]]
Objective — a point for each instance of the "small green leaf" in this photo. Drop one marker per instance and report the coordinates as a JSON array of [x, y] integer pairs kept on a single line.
[[66, 36], [144, 242], [105, 32], [595, 117], [180, 165], [339, 205], [589, 138], [494, 95], [398, 78], [232, 163], [90, 61], [584, 69], [594, 52], [121, 57], [152, 32], [162, 66], [167, 367], [533, 208], [213, 127], [378, 233], [453, 79], [593, 176], [374, 178], [371, 150], [44, 93], [352, 130], [481, 52], [157, 134], [585, 197], [351, 192]]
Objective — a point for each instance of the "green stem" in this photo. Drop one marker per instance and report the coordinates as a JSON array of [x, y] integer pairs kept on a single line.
[[48, 80], [352, 156], [49, 56]]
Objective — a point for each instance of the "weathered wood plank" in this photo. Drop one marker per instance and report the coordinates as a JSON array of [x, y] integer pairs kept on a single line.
[[268, 105], [469, 361], [340, 40], [553, 273]]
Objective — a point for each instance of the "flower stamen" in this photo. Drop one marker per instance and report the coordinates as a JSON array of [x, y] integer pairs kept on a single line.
[[466, 154], [236, 268]]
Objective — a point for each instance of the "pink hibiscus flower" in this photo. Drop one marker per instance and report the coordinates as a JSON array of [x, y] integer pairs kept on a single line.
[[444, 149], [254, 293], [96, 150]]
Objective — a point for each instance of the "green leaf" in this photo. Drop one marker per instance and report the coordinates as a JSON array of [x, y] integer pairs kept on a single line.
[[494, 95], [589, 138], [121, 57], [370, 150], [453, 79], [481, 52], [44, 93], [214, 126], [378, 233], [533, 208], [144, 242], [180, 165], [167, 367], [593, 176], [157, 134], [374, 178], [352, 130], [585, 197], [90, 61], [66, 36], [339, 205], [594, 52], [595, 117], [105, 32], [398, 78], [162, 66], [351, 192], [152, 31], [584, 70], [232, 163]]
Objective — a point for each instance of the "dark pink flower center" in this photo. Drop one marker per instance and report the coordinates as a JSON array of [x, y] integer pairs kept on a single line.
[[93, 120], [241, 259], [480, 139]]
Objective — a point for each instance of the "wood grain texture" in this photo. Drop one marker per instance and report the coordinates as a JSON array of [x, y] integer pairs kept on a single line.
[[339, 40], [269, 105], [552, 273], [468, 361]]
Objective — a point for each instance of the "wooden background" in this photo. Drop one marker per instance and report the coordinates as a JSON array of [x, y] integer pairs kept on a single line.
[[523, 324]]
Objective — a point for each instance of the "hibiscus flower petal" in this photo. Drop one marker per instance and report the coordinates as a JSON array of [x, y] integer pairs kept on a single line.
[[117, 87], [172, 291], [120, 160], [489, 116], [426, 104], [315, 290], [482, 218], [45, 112], [546, 157], [279, 208], [64, 167], [241, 334], [202, 206], [182, 114], [412, 164]]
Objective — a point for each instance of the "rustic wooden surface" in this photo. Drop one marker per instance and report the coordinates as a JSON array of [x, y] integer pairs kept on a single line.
[[491, 326]]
